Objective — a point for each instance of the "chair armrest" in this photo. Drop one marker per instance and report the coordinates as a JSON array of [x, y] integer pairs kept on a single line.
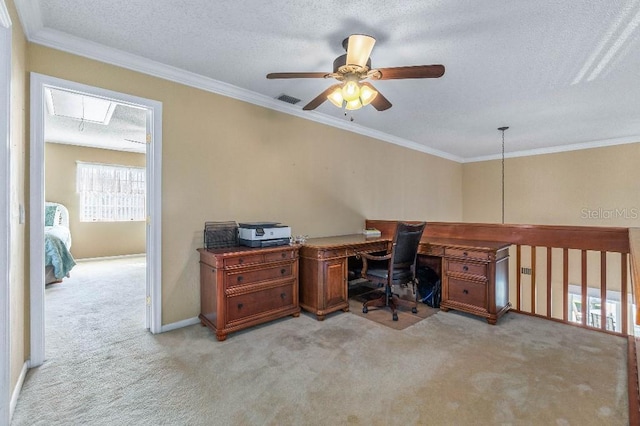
[[367, 256]]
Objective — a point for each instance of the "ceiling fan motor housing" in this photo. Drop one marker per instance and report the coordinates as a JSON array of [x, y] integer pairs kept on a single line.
[[340, 66]]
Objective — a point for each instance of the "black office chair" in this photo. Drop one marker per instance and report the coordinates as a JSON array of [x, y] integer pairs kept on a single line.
[[397, 267]]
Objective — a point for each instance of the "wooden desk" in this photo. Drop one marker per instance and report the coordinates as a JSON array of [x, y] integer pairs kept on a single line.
[[475, 274], [323, 270]]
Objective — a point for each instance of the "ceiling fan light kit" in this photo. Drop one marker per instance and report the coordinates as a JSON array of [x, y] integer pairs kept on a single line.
[[352, 69]]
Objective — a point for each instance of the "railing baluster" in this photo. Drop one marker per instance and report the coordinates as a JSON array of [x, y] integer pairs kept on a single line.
[[565, 284], [603, 290], [623, 293], [533, 280], [548, 282], [518, 276], [583, 268]]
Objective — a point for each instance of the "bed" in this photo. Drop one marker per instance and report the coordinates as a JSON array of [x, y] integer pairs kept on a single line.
[[58, 260]]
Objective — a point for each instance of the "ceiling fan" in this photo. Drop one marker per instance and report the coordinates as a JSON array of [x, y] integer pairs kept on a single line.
[[352, 69]]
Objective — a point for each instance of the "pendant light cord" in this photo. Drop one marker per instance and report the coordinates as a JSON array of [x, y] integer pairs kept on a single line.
[[502, 129]]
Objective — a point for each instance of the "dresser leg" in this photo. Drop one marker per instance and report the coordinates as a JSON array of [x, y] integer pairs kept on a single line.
[[295, 314], [442, 308], [221, 337], [320, 317]]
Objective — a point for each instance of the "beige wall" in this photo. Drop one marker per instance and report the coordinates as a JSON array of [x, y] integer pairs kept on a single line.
[[224, 159], [19, 292], [91, 239], [591, 187]]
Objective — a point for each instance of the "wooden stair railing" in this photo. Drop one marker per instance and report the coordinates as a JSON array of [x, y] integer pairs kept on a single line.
[[634, 249]]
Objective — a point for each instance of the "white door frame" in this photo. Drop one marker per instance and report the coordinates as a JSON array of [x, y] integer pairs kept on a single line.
[[36, 210], [5, 214]]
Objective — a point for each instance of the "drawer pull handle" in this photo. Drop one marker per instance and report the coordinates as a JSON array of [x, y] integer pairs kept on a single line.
[[464, 253], [241, 260], [465, 291], [283, 295], [282, 271], [465, 268], [284, 255], [240, 305], [240, 278]]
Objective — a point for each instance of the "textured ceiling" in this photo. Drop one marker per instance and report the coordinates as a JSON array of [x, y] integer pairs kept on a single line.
[[561, 74]]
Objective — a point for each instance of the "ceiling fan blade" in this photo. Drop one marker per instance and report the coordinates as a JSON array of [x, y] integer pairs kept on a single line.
[[318, 100], [417, 71], [274, 75], [379, 102], [359, 48]]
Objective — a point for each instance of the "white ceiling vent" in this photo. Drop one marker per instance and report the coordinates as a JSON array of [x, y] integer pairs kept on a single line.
[[288, 99], [78, 106]]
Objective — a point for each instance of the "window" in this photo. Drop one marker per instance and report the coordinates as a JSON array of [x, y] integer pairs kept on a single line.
[[593, 311], [110, 193]]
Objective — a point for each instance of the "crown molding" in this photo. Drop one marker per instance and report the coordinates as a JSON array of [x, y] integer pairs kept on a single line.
[[558, 149], [5, 19], [30, 17]]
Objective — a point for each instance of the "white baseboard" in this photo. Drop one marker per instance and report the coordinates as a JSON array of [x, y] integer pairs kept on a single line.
[[17, 389], [121, 256], [180, 324]]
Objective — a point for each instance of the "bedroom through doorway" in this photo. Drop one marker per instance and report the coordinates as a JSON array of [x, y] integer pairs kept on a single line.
[[95, 170], [96, 188]]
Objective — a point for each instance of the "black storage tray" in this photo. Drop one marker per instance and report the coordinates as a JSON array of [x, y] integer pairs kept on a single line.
[[220, 234]]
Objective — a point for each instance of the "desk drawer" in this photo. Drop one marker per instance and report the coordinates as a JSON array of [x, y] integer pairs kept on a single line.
[[468, 292], [330, 254], [466, 253], [463, 267], [250, 304], [430, 250], [246, 277]]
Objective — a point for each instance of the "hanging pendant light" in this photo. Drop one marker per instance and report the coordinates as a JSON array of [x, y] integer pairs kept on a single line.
[[502, 129]]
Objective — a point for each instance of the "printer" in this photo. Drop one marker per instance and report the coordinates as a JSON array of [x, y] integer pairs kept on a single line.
[[263, 234]]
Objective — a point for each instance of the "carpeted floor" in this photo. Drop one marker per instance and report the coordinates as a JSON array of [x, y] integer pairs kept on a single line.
[[103, 368]]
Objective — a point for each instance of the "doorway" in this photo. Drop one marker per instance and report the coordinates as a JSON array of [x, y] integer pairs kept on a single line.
[[40, 84], [5, 214]]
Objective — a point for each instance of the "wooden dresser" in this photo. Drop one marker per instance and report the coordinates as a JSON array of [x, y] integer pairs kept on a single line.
[[475, 277], [241, 287]]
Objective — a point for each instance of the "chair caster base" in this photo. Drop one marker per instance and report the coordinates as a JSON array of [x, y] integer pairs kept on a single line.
[[365, 310], [395, 316]]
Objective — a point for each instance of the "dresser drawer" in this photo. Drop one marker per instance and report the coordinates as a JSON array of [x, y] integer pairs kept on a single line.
[[249, 259], [282, 255], [250, 304], [468, 292], [245, 277], [466, 254], [463, 267]]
